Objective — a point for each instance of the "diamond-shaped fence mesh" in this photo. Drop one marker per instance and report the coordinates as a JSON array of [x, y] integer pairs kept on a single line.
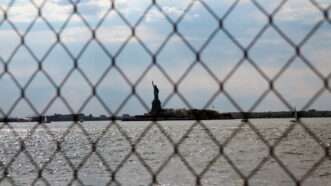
[[77, 52]]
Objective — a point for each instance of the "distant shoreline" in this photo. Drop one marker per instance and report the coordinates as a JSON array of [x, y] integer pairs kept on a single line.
[[197, 115], [237, 115]]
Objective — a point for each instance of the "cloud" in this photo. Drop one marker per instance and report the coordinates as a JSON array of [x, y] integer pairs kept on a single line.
[[25, 12], [116, 34], [75, 35], [56, 10], [22, 12], [173, 11], [297, 84], [299, 11], [113, 35]]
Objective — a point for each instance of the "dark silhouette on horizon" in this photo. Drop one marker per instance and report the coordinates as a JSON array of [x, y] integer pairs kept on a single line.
[[156, 91], [156, 104]]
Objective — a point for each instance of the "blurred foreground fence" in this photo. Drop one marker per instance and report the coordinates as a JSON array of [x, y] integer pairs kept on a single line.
[[19, 23]]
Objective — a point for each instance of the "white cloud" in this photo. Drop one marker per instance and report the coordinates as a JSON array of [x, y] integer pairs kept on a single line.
[[173, 11], [132, 7], [55, 12], [75, 35], [116, 34], [22, 12], [299, 10], [25, 12], [112, 34], [242, 85]]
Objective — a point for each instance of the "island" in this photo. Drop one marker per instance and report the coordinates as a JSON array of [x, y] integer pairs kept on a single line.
[[157, 113]]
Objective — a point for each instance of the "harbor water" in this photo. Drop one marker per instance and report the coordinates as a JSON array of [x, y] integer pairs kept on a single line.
[[176, 152]]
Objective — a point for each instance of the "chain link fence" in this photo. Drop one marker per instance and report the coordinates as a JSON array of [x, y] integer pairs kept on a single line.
[[98, 149]]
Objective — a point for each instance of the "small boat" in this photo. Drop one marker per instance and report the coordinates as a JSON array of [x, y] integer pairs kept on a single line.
[[44, 119], [296, 117]]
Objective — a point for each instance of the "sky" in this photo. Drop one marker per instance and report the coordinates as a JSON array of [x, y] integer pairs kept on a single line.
[[174, 53]]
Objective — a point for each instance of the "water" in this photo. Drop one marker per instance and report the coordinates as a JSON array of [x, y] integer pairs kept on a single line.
[[154, 152]]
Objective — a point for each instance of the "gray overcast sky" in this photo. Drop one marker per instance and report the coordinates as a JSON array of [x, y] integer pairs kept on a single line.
[[298, 84]]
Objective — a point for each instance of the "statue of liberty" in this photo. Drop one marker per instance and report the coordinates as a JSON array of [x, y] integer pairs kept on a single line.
[[156, 91], [156, 104]]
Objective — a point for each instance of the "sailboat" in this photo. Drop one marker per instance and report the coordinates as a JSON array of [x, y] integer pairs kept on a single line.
[[296, 117], [44, 119]]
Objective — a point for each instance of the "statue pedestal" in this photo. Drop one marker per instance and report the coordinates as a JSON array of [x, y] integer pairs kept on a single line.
[[156, 107]]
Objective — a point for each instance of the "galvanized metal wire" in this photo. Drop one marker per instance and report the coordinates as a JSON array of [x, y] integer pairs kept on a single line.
[[58, 31]]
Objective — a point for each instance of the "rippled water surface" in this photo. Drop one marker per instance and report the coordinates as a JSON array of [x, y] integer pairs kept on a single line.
[[176, 151]]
